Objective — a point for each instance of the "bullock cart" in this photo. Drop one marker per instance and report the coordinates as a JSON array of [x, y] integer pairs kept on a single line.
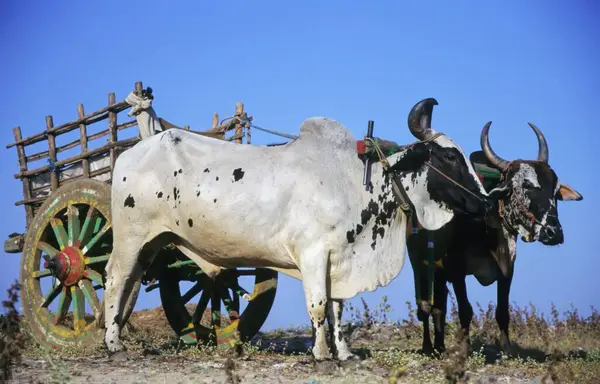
[[68, 239]]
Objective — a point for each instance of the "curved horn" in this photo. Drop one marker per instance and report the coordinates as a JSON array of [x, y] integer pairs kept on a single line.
[[419, 119], [484, 141], [542, 144]]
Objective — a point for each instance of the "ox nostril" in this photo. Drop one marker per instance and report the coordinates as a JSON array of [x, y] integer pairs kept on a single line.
[[550, 232]]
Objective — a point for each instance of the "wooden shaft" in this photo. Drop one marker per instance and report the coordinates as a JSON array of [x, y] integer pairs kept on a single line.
[[52, 152], [112, 126], [239, 128], [215, 122], [85, 164]]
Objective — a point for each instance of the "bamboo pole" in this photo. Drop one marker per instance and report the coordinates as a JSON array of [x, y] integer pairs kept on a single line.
[[52, 152], [85, 164], [112, 126], [239, 128], [26, 181]]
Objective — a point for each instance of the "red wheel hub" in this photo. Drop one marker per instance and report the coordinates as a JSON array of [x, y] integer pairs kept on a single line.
[[68, 265]]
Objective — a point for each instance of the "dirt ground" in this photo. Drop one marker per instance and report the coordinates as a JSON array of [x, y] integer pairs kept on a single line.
[[388, 354]]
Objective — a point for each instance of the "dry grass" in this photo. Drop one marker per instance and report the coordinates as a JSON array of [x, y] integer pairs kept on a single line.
[[559, 348]]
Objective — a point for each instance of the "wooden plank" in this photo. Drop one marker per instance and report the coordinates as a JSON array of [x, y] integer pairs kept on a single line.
[[52, 152], [126, 125], [239, 128], [112, 126], [67, 127], [99, 135], [26, 182], [83, 141], [120, 144]]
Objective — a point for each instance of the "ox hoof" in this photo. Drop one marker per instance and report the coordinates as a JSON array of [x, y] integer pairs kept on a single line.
[[119, 356]]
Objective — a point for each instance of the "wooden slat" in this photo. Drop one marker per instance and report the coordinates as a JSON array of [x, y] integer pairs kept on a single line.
[[126, 125], [83, 141], [73, 159], [26, 181], [52, 152], [99, 135], [64, 128]]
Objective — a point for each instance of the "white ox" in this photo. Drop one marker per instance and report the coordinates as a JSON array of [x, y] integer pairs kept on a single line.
[[300, 209]]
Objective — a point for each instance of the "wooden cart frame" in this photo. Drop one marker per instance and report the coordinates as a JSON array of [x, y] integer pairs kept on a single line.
[[68, 240]]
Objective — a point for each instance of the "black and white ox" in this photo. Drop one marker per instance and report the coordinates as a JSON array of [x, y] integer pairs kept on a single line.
[[310, 216], [525, 204]]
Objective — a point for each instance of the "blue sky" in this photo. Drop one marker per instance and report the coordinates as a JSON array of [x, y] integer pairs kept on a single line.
[[510, 62]]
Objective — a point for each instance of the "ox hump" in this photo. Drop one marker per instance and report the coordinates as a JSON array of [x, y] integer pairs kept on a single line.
[[326, 130]]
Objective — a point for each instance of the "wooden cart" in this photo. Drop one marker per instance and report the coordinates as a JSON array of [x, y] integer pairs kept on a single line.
[[68, 241]]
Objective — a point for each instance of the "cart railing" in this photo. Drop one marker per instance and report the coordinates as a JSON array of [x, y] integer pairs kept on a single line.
[[39, 182]]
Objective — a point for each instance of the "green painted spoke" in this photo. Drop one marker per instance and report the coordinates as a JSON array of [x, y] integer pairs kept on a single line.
[[47, 248], [59, 232], [95, 239], [215, 306], [192, 292], [42, 273], [202, 303], [97, 224], [51, 295], [64, 302], [73, 225], [96, 259], [229, 306], [241, 292], [86, 230], [93, 276], [90, 295], [78, 308]]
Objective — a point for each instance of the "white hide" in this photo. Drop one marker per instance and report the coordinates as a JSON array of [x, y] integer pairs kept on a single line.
[[294, 201]]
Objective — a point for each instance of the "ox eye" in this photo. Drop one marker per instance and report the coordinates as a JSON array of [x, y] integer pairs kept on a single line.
[[529, 185], [450, 156]]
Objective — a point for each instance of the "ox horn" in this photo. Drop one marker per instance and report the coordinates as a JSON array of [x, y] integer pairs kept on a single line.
[[542, 144], [419, 119], [484, 140]]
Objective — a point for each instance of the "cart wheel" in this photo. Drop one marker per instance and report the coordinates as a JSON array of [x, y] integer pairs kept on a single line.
[[190, 322], [62, 270]]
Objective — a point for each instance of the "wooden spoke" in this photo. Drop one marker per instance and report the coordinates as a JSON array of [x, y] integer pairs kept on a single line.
[[86, 230], [236, 301], [47, 248], [95, 239], [63, 305], [73, 225], [229, 306], [241, 292], [215, 306], [202, 304], [59, 232], [96, 259], [42, 273], [90, 295], [192, 292], [93, 276], [78, 308], [51, 295]]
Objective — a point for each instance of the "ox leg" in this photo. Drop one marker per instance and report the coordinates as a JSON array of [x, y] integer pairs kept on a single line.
[[439, 310], [313, 266], [334, 318], [122, 271], [502, 313], [465, 310]]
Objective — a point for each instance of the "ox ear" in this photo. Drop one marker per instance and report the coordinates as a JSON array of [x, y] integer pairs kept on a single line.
[[412, 159], [499, 192], [567, 193]]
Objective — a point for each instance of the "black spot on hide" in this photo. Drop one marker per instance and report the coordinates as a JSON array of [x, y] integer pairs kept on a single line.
[[359, 229], [175, 193], [197, 193], [367, 213], [124, 179], [180, 170], [175, 173], [238, 174], [175, 139], [177, 222], [159, 195], [129, 202], [215, 200], [206, 170], [350, 236], [370, 185], [190, 222], [217, 178]]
